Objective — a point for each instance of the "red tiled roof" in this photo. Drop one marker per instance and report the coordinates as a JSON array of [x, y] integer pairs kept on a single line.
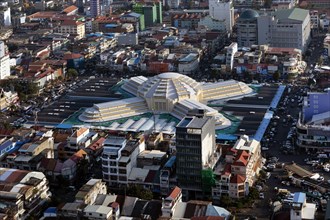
[[242, 158], [43, 14], [79, 155], [70, 9], [237, 179], [175, 193], [98, 144], [70, 56], [79, 132]]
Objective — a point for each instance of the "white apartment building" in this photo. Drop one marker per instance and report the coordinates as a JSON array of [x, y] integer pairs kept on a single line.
[[239, 172], [119, 158], [88, 193], [289, 28], [72, 27], [315, 21], [5, 16], [81, 139], [4, 61], [223, 10]]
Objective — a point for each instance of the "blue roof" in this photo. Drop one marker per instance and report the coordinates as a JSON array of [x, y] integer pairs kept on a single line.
[[111, 25], [51, 210], [228, 137], [277, 96], [263, 125], [137, 60], [5, 145], [64, 126], [299, 197], [14, 149], [170, 162]]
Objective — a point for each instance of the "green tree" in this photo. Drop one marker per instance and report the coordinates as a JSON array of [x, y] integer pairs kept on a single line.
[[225, 201], [72, 73], [253, 193], [139, 191], [262, 174], [208, 180]]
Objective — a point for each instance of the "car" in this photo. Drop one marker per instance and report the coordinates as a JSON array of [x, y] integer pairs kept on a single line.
[[271, 166], [258, 187], [261, 195], [264, 148]]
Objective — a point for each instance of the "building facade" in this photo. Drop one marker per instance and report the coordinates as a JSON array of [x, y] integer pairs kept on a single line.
[[4, 61], [223, 10], [72, 27], [195, 144], [313, 130], [95, 8], [247, 28], [290, 28], [5, 15], [239, 170]]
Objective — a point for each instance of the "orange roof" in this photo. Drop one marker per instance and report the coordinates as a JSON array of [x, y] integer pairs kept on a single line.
[[237, 179], [80, 154], [70, 9], [79, 132], [242, 158], [70, 56], [71, 23], [98, 144], [43, 14], [175, 193]]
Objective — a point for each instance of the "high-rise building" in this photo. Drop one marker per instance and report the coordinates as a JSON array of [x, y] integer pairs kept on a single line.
[[152, 12], [222, 10], [313, 124], [5, 16], [95, 8], [247, 28], [4, 61], [195, 145]]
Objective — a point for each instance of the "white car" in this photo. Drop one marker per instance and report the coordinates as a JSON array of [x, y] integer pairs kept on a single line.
[[261, 195], [264, 148], [271, 166]]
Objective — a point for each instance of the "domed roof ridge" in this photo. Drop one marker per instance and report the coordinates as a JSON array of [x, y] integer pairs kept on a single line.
[[249, 14]]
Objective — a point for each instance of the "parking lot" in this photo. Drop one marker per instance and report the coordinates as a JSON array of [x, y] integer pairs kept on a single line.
[[251, 110], [75, 96]]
